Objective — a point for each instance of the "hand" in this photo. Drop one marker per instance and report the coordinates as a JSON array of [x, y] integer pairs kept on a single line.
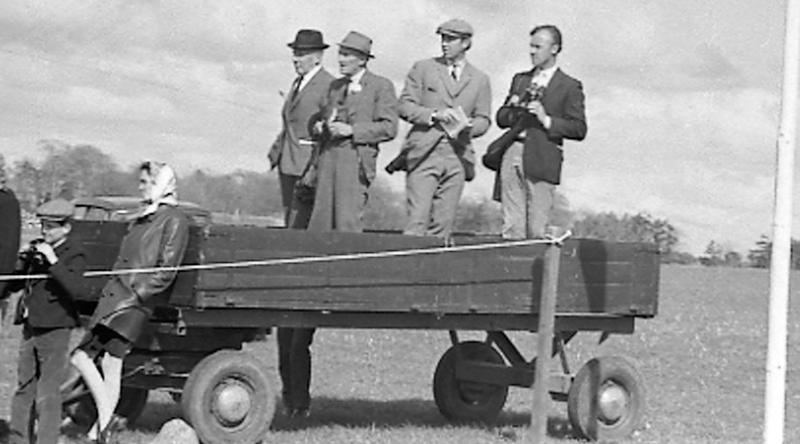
[[536, 108], [447, 115], [47, 251], [340, 129], [318, 127]]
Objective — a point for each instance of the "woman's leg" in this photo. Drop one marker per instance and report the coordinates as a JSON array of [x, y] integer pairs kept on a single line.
[[112, 371], [91, 376]]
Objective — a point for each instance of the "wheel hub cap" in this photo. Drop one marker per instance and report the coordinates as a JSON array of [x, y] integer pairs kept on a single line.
[[231, 403], [612, 402]]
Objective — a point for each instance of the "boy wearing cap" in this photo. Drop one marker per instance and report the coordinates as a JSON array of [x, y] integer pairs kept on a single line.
[[47, 314], [292, 150], [360, 113], [437, 164]]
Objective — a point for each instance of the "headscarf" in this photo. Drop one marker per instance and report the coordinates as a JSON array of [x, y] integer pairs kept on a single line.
[[164, 189]]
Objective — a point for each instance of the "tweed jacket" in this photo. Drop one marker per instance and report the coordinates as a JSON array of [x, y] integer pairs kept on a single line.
[[291, 151], [429, 87]]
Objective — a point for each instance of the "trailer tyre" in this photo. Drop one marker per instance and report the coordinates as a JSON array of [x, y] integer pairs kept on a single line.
[[466, 401], [228, 399], [606, 400]]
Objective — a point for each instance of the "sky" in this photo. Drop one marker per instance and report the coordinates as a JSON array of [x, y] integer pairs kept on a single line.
[[683, 98]]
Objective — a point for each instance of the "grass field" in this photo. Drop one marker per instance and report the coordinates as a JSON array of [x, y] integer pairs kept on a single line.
[[703, 359]]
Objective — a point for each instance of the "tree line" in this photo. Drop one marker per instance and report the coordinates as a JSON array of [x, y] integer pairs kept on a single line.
[[72, 171]]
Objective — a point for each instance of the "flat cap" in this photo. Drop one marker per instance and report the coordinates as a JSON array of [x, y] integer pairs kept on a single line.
[[456, 28], [56, 210]]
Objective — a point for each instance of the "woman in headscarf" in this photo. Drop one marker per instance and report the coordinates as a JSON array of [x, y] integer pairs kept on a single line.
[[157, 237]]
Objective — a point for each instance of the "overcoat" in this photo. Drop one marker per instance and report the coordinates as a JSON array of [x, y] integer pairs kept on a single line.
[[9, 233], [346, 166]]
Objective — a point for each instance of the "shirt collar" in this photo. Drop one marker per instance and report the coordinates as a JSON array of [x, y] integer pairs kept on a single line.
[[307, 76], [543, 77], [356, 78]]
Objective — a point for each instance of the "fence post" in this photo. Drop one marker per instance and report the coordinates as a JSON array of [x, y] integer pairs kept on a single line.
[[544, 347]]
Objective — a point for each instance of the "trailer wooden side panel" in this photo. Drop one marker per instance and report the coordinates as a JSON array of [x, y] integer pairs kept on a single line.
[[596, 277]]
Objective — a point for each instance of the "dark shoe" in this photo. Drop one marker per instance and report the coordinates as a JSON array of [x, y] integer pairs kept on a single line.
[[116, 424]]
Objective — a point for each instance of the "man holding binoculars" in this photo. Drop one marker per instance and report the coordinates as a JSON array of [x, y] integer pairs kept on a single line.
[[47, 313]]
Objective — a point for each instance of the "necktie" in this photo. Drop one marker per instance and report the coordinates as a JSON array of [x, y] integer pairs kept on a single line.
[[296, 86], [454, 72]]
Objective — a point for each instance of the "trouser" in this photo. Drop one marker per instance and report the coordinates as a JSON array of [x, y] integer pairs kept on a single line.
[[433, 190], [294, 364], [295, 212], [526, 203], [40, 371]]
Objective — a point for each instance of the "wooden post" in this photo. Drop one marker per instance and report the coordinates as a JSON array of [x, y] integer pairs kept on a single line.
[[780, 262], [544, 347]]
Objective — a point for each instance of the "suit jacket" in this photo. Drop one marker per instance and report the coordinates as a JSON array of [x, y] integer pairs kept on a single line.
[[50, 302], [429, 87], [288, 153], [563, 100], [9, 233]]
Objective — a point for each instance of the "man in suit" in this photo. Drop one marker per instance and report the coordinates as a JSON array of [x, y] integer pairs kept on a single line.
[[437, 164], [10, 226], [293, 148], [359, 114], [549, 105], [47, 313]]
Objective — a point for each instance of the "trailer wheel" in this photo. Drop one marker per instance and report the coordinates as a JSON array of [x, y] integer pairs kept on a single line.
[[228, 399], [606, 400], [466, 401]]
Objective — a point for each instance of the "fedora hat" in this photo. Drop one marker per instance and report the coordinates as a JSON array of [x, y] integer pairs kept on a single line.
[[308, 39], [358, 42]]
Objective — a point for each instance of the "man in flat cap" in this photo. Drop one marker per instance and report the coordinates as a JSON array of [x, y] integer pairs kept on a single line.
[[292, 149], [448, 103], [544, 106], [10, 227], [47, 313], [360, 113]]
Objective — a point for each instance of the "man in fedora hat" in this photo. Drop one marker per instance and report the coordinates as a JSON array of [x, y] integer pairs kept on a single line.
[[293, 147], [448, 103], [360, 112], [47, 313]]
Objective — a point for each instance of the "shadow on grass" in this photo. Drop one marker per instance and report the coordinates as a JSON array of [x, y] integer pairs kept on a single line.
[[361, 413], [358, 413]]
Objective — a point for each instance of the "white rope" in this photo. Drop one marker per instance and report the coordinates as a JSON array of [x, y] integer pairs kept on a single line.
[[309, 259]]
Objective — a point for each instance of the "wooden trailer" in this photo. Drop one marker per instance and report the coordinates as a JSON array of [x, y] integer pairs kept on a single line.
[[255, 278]]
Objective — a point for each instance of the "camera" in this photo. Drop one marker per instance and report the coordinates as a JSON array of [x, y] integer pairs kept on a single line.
[[532, 93], [31, 256]]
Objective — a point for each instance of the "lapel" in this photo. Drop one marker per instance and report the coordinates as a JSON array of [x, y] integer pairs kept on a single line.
[[312, 81], [463, 81], [444, 76], [551, 92], [353, 99]]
